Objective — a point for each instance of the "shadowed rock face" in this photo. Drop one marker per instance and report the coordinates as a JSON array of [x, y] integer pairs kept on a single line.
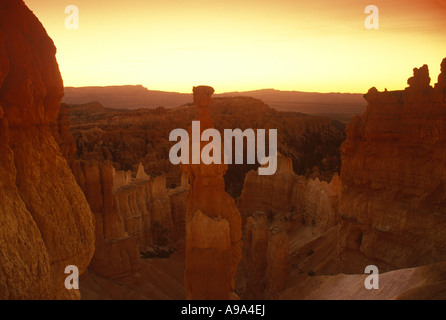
[[266, 258], [268, 193], [31, 84], [393, 177], [45, 221], [116, 254], [288, 193], [441, 84], [128, 212], [213, 223]]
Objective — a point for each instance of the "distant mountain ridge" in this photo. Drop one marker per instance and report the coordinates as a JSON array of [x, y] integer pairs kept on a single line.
[[340, 106], [125, 97]]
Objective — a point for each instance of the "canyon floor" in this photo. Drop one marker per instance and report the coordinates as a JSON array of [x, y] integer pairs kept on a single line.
[[163, 278]]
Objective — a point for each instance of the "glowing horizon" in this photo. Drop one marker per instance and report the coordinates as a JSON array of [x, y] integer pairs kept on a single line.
[[313, 46]]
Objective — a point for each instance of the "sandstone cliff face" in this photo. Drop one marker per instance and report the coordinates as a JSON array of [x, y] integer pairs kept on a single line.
[[304, 208], [146, 204], [209, 258], [265, 258], [45, 221], [277, 259], [270, 194], [160, 204], [255, 244], [116, 254], [60, 130], [128, 212], [133, 205], [393, 177], [317, 201], [178, 202]]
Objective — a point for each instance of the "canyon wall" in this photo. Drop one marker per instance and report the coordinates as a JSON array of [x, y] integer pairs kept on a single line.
[[45, 221], [316, 202], [116, 254], [129, 214], [146, 204], [392, 207], [268, 193], [279, 211]]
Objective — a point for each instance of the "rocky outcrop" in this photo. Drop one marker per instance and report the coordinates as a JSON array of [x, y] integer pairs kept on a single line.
[[121, 179], [178, 202], [160, 205], [277, 260], [317, 202], [45, 221], [255, 244], [116, 254], [265, 258], [134, 207], [146, 204], [268, 193], [393, 176], [209, 258], [419, 283], [128, 212], [213, 223], [60, 130], [440, 86]]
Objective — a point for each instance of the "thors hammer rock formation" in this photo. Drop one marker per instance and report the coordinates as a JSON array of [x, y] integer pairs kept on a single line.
[[213, 223], [45, 221], [393, 176]]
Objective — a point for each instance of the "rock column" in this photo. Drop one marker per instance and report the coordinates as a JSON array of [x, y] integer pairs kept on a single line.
[[213, 222]]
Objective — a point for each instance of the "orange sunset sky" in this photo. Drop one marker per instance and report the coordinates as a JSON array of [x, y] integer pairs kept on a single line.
[[304, 45]]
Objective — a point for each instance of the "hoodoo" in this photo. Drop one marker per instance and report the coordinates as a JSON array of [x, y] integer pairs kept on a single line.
[[213, 223]]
